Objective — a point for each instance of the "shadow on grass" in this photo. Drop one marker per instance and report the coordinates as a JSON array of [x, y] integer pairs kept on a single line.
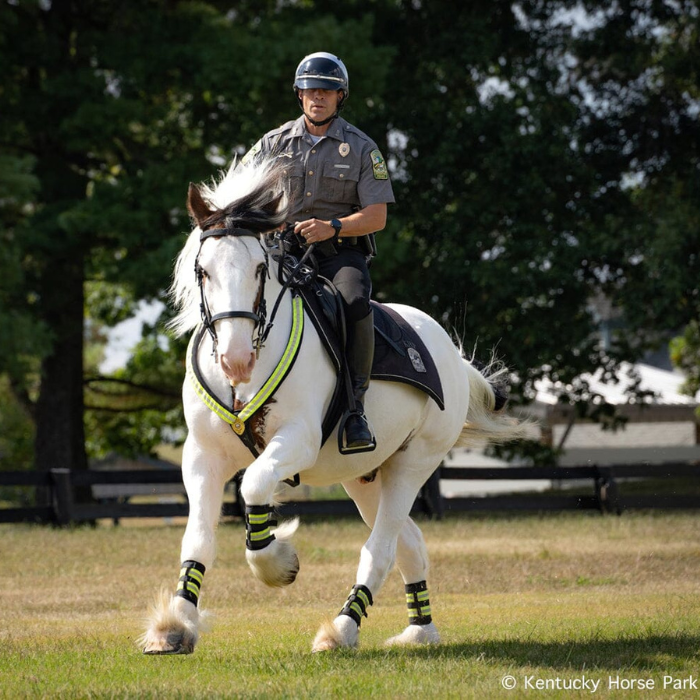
[[661, 652]]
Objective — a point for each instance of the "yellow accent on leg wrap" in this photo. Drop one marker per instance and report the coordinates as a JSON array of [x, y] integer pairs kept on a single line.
[[357, 603], [191, 577], [418, 603]]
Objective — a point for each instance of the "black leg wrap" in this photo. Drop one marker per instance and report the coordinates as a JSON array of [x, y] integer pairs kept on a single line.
[[190, 583], [258, 520], [357, 603], [418, 603]]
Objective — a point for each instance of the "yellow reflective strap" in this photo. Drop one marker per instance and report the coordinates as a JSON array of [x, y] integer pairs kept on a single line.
[[237, 421], [423, 595], [189, 585], [363, 596], [209, 401], [283, 365], [263, 534], [192, 573], [196, 575], [356, 607], [258, 519]]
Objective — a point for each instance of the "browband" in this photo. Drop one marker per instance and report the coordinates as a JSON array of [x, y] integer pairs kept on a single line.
[[218, 232]]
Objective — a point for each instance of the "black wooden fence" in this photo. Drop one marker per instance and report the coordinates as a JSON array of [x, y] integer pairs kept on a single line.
[[605, 488]]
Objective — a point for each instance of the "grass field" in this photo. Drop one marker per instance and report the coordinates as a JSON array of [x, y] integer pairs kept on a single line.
[[556, 600]]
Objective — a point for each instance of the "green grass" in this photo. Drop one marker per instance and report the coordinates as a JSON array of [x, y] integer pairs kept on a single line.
[[555, 598]]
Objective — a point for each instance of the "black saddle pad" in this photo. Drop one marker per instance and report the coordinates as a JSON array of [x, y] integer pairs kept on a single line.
[[399, 354]]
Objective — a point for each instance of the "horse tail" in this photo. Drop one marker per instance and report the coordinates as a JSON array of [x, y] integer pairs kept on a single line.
[[486, 417]]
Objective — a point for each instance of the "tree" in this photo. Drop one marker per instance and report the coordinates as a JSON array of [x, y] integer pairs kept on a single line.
[[548, 158], [544, 155], [685, 354], [106, 115]]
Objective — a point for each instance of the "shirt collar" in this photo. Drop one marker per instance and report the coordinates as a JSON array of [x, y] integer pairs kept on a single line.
[[336, 130]]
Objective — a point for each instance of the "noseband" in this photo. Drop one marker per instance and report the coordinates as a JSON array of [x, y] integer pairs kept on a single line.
[[259, 313]]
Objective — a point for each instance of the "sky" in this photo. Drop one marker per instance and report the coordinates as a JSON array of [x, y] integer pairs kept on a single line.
[[123, 337]]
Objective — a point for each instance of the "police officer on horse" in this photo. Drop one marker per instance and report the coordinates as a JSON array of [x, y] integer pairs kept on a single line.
[[339, 191]]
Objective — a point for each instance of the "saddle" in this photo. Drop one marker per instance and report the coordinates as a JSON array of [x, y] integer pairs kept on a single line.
[[399, 354]]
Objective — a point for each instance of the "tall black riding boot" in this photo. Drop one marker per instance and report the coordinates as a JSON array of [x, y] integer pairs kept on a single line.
[[360, 353]]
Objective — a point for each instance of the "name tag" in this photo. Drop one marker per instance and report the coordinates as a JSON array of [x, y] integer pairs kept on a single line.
[[341, 166]]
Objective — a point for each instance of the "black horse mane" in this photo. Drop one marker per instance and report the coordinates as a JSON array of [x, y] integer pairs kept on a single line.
[[261, 209]]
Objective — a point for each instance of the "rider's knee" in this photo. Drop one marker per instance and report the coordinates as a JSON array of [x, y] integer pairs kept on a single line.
[[356, 309]]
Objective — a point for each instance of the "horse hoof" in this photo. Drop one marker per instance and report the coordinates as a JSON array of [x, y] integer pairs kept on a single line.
[[169, 645], [292, 573], [342, 633], [277, 565], [415, 635], [327, 638]]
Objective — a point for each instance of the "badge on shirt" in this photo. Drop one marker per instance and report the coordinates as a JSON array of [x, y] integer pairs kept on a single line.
[[379, 165], [344, 149]]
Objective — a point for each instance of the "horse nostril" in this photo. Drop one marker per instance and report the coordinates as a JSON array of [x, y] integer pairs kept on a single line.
[[237, 369]]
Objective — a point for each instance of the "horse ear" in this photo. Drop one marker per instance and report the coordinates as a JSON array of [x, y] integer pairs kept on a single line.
[[198, 208]]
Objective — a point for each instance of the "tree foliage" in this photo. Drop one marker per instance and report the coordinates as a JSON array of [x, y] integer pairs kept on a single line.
[[685, 354], [544, 156]]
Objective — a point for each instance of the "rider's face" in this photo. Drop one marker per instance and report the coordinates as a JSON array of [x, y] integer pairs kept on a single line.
[[319, 104]]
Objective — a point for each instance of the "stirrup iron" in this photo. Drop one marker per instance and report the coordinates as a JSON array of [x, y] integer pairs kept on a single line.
[[342, 444]]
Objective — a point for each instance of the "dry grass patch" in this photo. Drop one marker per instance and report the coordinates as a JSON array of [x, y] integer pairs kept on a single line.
[[551, 595]]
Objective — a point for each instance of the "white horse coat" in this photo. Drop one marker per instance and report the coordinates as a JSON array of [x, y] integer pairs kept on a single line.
[[413, 433]]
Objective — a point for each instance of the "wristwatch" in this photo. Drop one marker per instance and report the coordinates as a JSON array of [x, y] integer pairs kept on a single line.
[[337, 225]]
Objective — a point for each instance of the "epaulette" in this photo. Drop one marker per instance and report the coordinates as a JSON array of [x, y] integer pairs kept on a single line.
[[281, 129], [351, 128]]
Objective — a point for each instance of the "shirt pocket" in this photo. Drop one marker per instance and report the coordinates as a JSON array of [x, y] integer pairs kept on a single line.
[[295, 172], [340, 182]]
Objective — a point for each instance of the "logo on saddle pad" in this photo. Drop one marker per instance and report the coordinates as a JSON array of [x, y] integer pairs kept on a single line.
[[416, 360]]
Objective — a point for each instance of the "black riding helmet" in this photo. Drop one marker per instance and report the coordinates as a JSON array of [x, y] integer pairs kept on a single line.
[[325, 71]]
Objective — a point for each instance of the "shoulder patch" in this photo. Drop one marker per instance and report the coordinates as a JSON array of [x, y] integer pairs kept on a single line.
[[379, 165]]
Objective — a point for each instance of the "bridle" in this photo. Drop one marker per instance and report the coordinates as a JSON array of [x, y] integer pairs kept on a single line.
[[259, 312]]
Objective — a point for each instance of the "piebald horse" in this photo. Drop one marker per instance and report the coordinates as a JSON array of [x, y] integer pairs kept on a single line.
[[270, 380]]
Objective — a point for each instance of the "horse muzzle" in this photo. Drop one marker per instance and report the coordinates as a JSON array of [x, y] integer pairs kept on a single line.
[[238, 367]]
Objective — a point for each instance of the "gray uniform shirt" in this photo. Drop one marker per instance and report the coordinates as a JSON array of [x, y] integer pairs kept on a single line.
[[342, 173]]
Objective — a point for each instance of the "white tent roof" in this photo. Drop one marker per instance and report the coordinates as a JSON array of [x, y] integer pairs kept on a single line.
[[663, 383]]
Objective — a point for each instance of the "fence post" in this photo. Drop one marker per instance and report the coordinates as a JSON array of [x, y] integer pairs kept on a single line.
[[63, 501]]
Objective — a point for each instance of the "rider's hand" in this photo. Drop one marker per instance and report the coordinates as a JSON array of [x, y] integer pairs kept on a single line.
[[314, 230]]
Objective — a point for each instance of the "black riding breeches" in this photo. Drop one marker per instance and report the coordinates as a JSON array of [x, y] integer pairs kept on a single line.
[[349, 273]]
